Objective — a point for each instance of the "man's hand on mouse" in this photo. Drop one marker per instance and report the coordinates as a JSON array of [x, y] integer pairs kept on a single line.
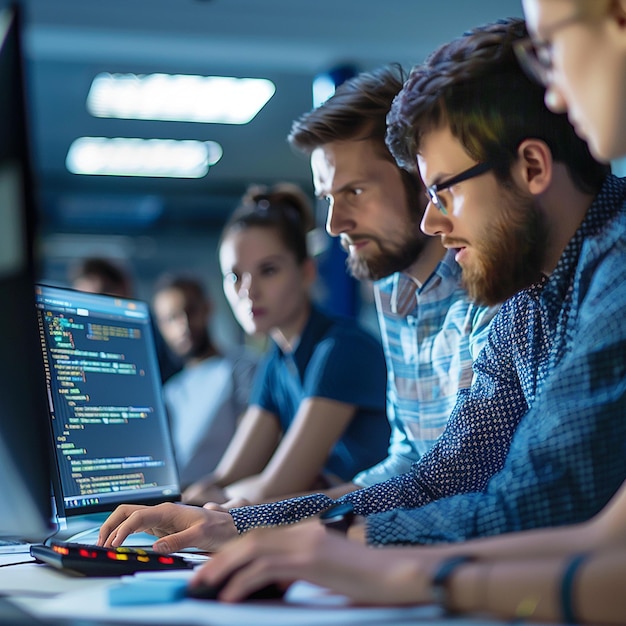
[[178, 526], [246, 566], [305, 551], [309, 551]]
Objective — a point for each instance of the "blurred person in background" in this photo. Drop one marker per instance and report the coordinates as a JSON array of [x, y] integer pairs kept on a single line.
[[102, 275], [208, 396], [107, 276]]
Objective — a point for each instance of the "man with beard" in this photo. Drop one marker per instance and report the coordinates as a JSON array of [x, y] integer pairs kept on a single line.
[[202, 423], [509, 179], [430, 331]]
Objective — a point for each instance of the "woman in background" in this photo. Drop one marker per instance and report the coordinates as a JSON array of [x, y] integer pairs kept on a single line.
[[317, 409]]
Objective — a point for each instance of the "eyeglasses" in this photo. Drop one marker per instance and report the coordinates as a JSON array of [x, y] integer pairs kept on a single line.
[[535, 57], [472, 172]]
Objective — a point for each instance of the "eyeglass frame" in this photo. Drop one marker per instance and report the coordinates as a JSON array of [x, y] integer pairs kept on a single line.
[[432, 191], [535, 56]]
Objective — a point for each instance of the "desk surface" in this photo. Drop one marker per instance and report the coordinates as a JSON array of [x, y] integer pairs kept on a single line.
[[45, 592]]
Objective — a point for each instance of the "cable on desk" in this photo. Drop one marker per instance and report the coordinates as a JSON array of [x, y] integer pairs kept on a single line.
[[18, 563]]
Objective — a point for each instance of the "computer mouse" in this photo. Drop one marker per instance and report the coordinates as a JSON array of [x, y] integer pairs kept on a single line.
[[210, 592]]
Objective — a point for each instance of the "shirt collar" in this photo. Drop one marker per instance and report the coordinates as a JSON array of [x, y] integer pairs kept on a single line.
[[314, 329], [605, 206], [444, 279]]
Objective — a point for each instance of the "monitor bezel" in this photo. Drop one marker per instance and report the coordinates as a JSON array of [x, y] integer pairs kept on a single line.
[[64, 513]]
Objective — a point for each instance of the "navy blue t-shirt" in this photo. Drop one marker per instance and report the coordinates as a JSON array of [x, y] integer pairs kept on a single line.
[[338, 360]]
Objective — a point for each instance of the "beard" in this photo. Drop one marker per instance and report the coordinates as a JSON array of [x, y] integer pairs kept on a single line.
[[389, 259], [510, 255]]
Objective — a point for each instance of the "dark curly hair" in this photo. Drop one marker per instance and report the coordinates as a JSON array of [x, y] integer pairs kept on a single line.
[[476, 86]]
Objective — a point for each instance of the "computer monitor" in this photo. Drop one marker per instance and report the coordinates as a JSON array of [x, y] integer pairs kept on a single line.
[[25, 496], [111, 438]]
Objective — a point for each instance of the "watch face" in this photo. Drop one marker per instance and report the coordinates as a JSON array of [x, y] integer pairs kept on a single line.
[[337, 512]]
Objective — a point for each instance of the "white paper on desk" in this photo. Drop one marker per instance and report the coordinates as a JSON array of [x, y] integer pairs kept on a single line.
[[40, 580]]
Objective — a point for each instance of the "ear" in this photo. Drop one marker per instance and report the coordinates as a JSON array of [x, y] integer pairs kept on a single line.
[[534, 165]]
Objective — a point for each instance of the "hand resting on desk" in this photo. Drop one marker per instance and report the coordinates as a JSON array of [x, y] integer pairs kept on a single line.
[[177, 526]]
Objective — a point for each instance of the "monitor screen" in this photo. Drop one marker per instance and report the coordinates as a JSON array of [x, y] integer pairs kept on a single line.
[[110, 429], [25, 496]]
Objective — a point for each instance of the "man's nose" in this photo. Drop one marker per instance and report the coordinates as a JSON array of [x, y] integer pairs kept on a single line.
[[434, 222], [339, 219]]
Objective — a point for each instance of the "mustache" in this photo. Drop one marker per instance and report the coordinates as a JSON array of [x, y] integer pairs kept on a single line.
[[347, 240], [451, 242]]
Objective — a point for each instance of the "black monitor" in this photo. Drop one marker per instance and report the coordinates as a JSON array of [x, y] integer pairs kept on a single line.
[[25, 494], [112, 443]]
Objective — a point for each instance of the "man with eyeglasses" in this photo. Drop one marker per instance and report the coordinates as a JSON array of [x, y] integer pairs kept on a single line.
[[533, 220]]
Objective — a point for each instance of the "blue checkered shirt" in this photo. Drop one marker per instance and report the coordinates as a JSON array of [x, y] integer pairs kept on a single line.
[[554, 363], [431, 336]]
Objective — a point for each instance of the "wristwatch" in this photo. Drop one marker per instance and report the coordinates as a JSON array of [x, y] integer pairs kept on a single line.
[[439, 582], [338, 516]]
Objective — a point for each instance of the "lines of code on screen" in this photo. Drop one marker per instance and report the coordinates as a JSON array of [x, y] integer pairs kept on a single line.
[[104, 399]]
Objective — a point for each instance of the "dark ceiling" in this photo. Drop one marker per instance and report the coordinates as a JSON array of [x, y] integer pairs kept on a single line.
[[289, 41]]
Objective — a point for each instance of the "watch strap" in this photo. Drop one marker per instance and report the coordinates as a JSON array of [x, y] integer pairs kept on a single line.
[[439, 582], [339, 516]]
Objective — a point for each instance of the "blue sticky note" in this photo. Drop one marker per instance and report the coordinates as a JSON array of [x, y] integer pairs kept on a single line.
[[147, 591]]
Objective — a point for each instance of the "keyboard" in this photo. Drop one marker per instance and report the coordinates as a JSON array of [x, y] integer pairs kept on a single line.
[[89, 560], [8, 546]]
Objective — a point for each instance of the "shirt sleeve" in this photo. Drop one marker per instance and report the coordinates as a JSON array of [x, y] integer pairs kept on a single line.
[[400, 457], [568, 456], [348, 366], [260, 393], [475, 442], [401, 453], [279, 513]]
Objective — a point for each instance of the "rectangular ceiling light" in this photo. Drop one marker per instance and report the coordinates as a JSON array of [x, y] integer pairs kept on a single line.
[[183, 98], [122, 156]]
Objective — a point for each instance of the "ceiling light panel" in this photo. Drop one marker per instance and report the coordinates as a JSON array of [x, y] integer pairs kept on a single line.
[[123, 156], [183, 98]]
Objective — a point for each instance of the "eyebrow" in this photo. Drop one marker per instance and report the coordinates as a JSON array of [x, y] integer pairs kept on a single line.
[[271, 258], [235, 269], [438, 179], [351, 183], [442, 178]]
